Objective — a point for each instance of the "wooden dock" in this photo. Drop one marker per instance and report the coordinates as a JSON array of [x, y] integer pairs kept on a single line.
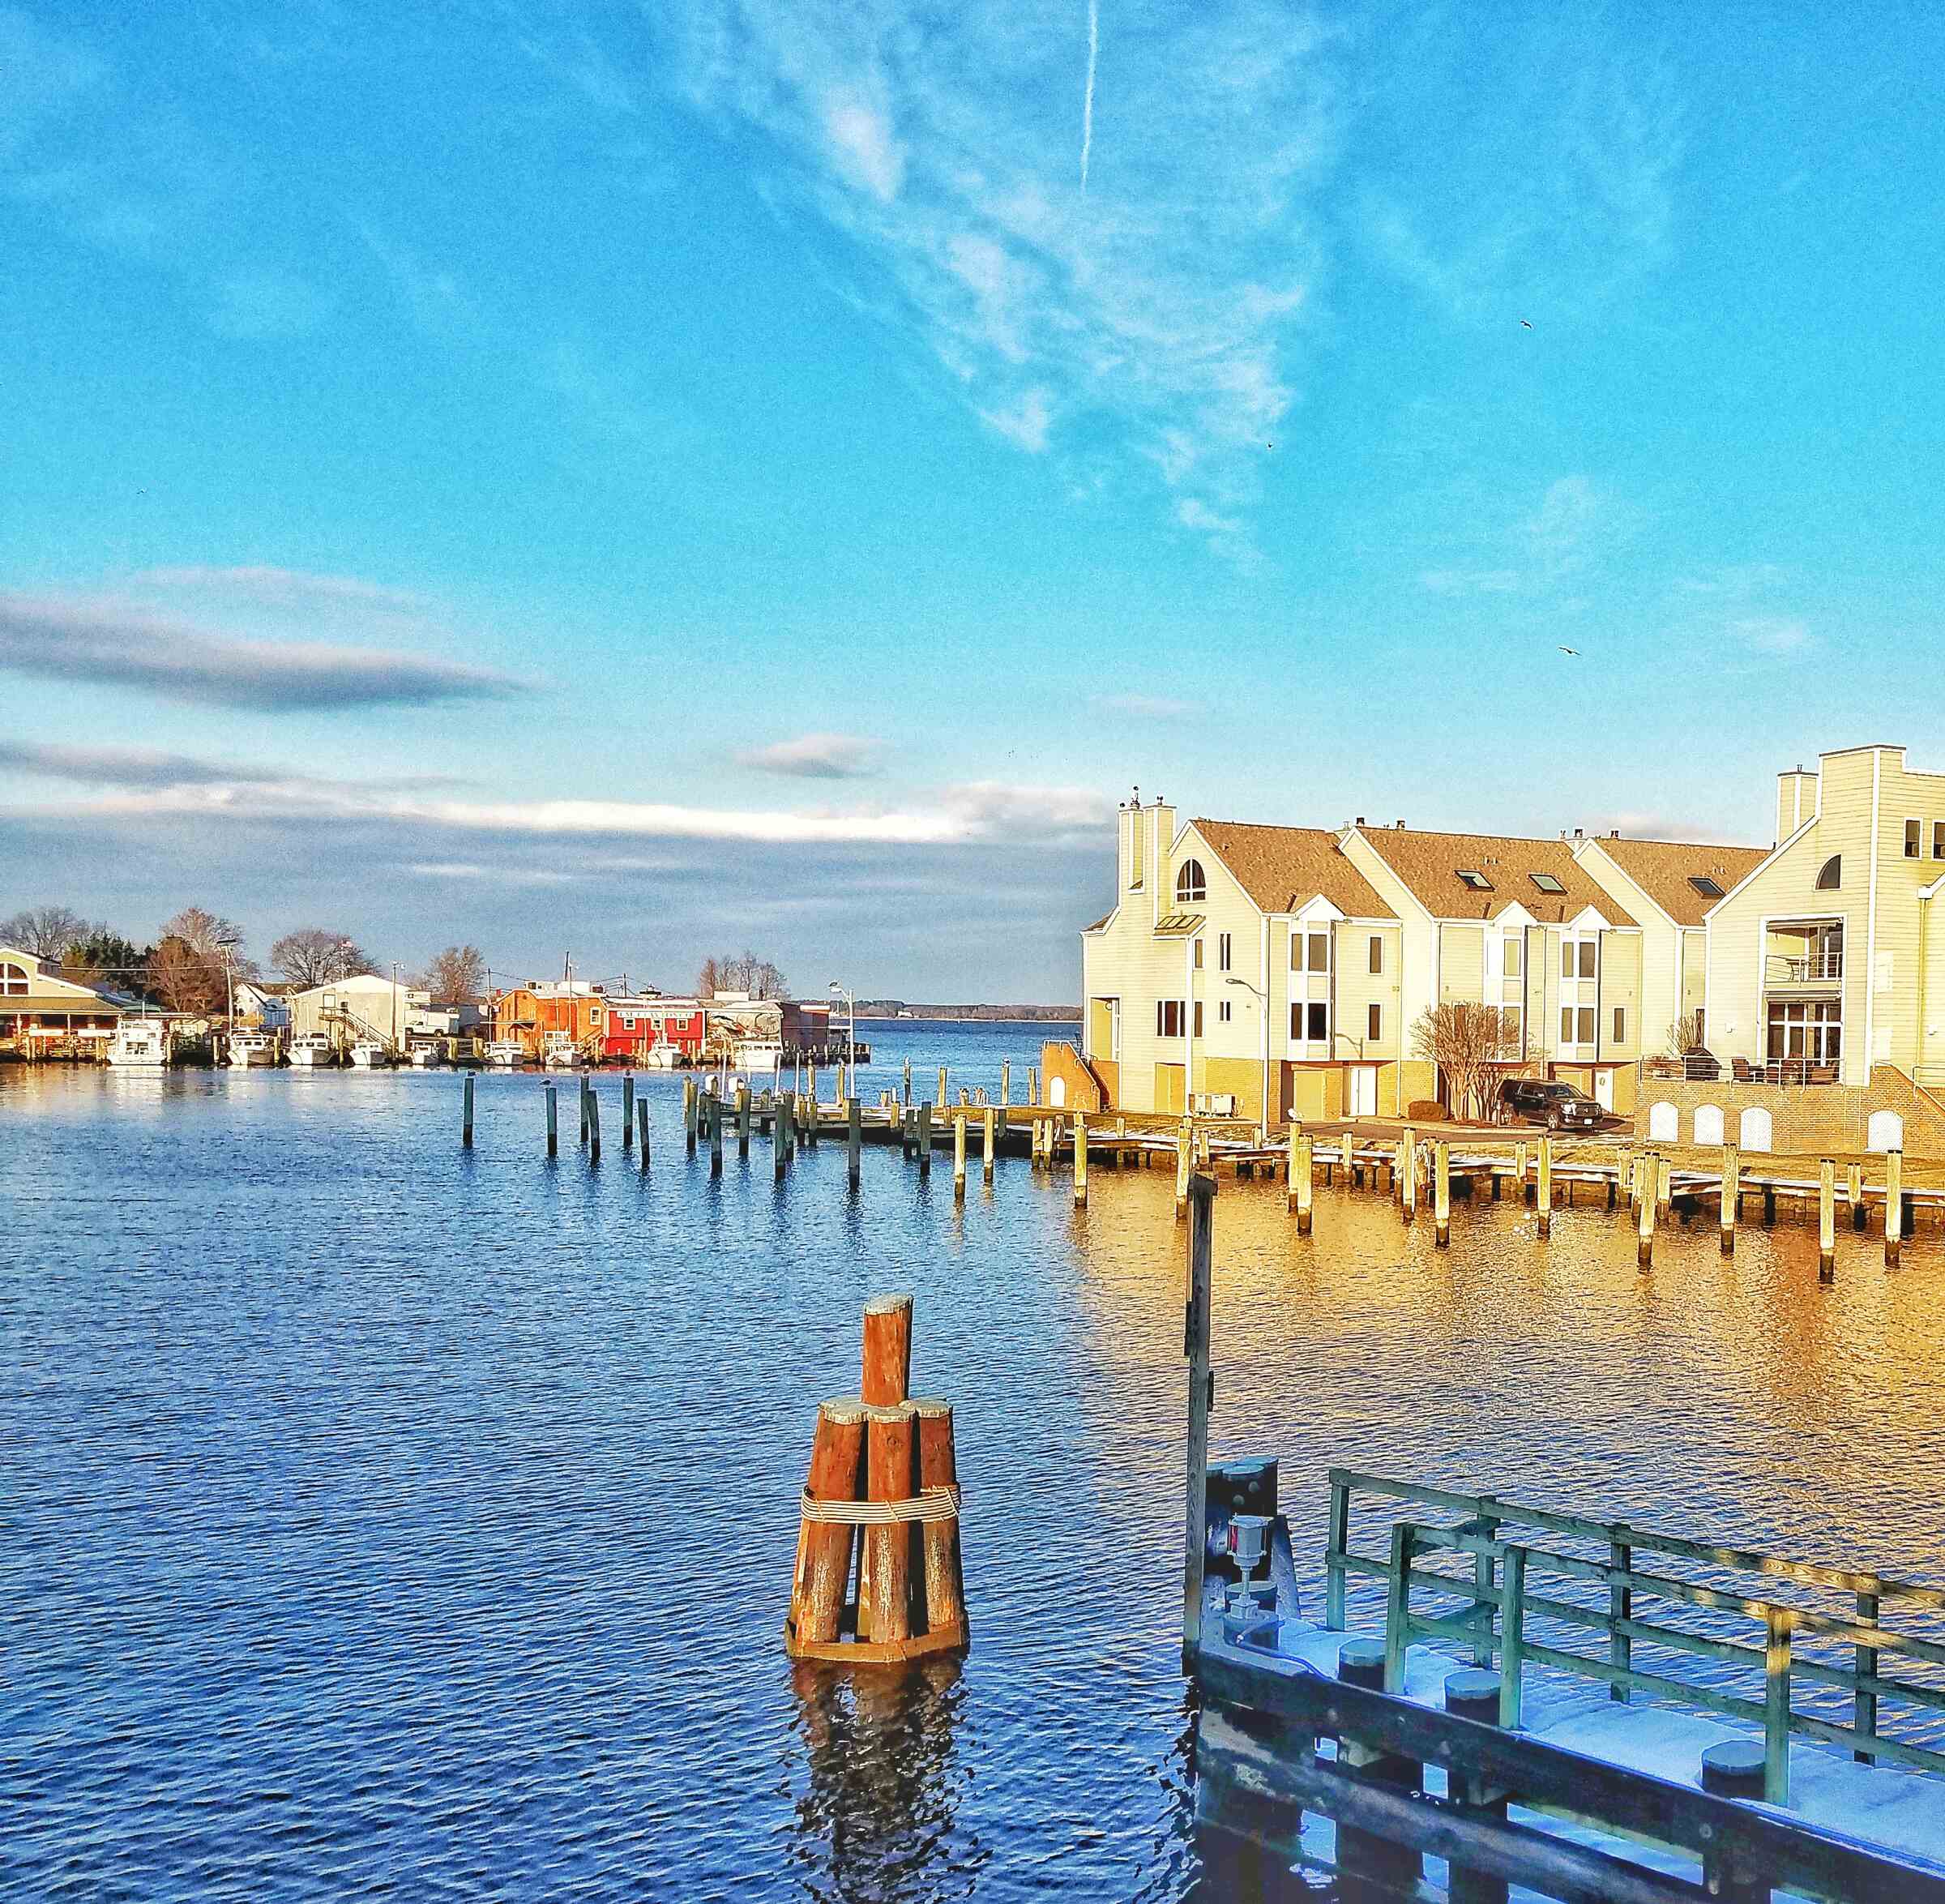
[[1474, 1736]]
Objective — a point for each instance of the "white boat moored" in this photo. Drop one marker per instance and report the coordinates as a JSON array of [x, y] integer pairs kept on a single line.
[[310, 1051], [250, 1049], [368, 1054], [140, 1044]]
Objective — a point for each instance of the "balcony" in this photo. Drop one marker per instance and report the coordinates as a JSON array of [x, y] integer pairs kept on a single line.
[[1704, 1068], [1813, 969]]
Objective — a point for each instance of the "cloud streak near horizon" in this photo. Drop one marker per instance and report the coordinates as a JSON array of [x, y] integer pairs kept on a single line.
[[114, 642]]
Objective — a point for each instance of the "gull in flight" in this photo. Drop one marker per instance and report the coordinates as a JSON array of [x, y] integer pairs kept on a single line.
[[1564, 649], [1525, 325]]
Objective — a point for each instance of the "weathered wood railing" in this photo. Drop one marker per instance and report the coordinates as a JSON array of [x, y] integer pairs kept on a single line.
[[1502, 1596]]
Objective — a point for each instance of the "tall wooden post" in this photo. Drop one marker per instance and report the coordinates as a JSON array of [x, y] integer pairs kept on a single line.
[[1202, 1381], [580, 1085], [939, 1467], [1302, 1187], [1894, 1206], [1644, 1242], [823, 1547], [1080, 1161], [466, 1115], [627, 1111], [907, 1098], [594, 1128], [1731, 1197], [854, 1138], [988, 1125], [890, 1474], [1519, 1169], [1665, 1187], [1442, 1193], [958, 1160], [1032, 1084], [689, 1109], [1408, 1172], [1181, 1171], [1624, 1168], [1826, 1221], [924, 1141], [554, 1121], [1543, 1189], [1006, 1080], [940, 1100], [743, 1120], [1853, 1195], [780, 1137], [716, 1135], [641, 1119]]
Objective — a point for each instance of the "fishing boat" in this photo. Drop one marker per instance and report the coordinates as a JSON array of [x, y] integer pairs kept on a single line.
[[758, 1055], [660, 1058], [368, 1054], [249, 1049], [504, 1054], [425, 1056], [139, 1044], [560, 1052], [311, 1051]]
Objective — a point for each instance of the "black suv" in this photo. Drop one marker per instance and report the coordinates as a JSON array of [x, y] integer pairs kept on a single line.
[[1560, 1107]]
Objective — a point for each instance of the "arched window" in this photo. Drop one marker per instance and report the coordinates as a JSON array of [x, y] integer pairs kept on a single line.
[[1830, 878], [1190, 883], [13, 981]]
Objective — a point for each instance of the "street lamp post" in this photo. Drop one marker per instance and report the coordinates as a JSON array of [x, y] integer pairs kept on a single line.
[[1262, 998], [850, 999]]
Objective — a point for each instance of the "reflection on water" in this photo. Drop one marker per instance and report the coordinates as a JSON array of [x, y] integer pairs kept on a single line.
[[376, 1513], [876, 1814]]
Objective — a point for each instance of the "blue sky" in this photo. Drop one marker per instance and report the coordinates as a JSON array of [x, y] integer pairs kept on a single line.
[[638, 481]]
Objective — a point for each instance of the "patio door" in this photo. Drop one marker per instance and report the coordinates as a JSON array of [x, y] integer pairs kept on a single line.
[[1604, 1089], [1364, 1090]]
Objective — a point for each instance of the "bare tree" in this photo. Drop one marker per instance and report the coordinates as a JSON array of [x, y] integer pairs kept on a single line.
[[457, 976], [1471, 1044], [741, 971], [187, 980], [310, 956], [1685, 1035], [46, 931]]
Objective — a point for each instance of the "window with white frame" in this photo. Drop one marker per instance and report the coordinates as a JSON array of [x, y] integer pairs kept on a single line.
[[1169, 1018], [1914, 838], [1512, 955], [1222, 1012], [1377, 951], [1222, 951]]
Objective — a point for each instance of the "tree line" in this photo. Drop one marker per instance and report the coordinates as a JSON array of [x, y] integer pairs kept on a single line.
[[199, 956]]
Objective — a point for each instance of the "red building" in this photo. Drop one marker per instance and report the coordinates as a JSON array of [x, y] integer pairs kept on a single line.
[[637, 1026]]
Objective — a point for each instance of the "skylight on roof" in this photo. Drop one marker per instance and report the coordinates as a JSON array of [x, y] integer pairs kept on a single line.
[[1708, 888], [1478, 881], [1547, 882]]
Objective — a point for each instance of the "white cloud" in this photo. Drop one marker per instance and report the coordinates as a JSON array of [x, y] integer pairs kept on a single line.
[[1773, 634], [815, 756], [1148, 707], [1163, 300], [1026, 424]]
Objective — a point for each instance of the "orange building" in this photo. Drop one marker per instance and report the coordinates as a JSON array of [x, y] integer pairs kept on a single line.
[[564, 1011]]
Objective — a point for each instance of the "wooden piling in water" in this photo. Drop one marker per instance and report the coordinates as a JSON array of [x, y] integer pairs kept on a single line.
[[824, 1548], [1826, 1221], [941, 1100], [1519, 1169], [1853, 1195], [945, 1585], [1543, 1187], [925, 1142], [628, 1110], [594, 1128], [907, 1098], [1408, 1173], [958, 1160], [466, 1115], [580, 1088], [1894, 1206], [854, 1139], [1645, 1245], [1032, 1084], [1080, 1161], [689, 1109], [780, 1137], [641, 1119], [1181, 1172], [1664, 1187], [1442, 1193], [890, 1474], [988, 1131], [743, 1120], [554, 1121], [715, 1111], [1006, 1080], [1731, 1197]]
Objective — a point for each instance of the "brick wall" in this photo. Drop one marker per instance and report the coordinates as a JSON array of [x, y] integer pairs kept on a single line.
[[1810, 1120]]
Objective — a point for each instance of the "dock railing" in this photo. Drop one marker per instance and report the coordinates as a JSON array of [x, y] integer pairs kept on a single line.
[[1511, 1582]]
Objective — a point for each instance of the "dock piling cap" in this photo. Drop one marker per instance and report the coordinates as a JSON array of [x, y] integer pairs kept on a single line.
[[1734, 1767], [1365, 1653], [1473, 1682]]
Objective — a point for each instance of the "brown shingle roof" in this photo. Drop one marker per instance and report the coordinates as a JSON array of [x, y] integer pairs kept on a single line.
[[1430, 863], [1282, 868], [1663, 868]]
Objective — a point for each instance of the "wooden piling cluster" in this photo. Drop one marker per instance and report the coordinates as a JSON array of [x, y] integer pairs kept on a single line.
[[880, 1576]]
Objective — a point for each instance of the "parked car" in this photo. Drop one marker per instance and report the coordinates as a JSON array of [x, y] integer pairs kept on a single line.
[[1539, 1101]]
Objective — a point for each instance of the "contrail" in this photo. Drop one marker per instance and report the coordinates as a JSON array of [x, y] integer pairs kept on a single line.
[[1087, 107]]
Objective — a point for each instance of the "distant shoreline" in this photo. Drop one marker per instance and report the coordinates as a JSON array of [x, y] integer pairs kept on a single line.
[[972, 1015]]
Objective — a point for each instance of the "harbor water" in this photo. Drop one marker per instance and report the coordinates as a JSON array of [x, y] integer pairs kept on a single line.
[[381, 1517]]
